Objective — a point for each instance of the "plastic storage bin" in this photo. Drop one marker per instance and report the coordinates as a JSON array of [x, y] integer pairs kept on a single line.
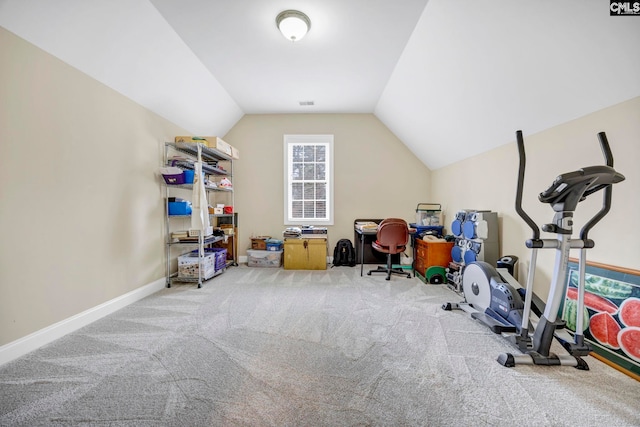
[[274, 245], [220, 255], [429, 214], [179, 208], [437, 229], [188, 176], [257, 258], [172, 175], [188, 265]]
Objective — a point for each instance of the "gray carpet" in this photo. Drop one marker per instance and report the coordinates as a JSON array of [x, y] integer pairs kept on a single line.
[[269, 347]]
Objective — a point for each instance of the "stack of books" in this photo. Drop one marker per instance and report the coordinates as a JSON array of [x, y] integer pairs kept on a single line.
[[177, 235], [310, 229], [292, 232], [367, 226]]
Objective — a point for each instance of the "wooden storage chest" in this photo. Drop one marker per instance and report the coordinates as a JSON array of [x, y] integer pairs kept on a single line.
[[305, 253]]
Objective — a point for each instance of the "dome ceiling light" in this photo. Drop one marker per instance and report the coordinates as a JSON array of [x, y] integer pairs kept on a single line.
[[293, 24]]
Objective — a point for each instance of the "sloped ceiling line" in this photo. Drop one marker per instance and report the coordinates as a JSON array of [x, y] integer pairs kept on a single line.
[[450, 78]]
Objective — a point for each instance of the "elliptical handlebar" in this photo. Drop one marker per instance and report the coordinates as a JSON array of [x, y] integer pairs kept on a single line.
[[609, 176], [606, 150], [606, 194], [523, 161]]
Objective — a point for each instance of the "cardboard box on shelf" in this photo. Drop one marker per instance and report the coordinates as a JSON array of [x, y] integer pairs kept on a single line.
[[210, 141], [227, 229]]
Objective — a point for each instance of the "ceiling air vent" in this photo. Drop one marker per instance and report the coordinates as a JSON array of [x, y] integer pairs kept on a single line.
[[306, 103]]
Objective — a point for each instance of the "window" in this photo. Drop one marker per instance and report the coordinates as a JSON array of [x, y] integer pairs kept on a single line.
[[308, 179]]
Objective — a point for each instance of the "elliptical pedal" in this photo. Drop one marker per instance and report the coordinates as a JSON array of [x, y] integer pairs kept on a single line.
[[509, 360], [493, 324]]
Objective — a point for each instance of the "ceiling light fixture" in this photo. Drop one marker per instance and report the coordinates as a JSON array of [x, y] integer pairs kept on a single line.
[[293, 24]]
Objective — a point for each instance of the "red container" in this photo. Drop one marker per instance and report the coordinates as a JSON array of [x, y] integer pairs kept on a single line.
[[228, 209]]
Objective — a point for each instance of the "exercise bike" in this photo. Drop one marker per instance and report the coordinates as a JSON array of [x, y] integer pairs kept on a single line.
[[496, 299]]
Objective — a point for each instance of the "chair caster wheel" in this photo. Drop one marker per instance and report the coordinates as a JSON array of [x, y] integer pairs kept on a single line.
[[368, 273]]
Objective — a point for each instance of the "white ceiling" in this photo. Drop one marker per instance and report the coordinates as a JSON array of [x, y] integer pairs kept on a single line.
[[451, 78], [342, 64]]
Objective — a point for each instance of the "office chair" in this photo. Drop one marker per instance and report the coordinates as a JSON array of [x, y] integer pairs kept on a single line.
[[392, 238]]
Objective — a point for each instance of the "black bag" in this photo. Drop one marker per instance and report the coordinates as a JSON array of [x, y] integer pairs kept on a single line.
[[344, 254]]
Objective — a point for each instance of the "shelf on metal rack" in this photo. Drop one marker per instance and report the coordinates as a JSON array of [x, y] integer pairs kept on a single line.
[[195, 241], [212, 165], [192, 149], [206, 168], [206, 187]]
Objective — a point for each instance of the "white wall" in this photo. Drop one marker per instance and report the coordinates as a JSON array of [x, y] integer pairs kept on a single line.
[[488, 181], [376, 176], [130, 47], [81, 208]]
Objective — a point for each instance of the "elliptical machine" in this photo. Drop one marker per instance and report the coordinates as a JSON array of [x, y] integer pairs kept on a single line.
[[499, 302]]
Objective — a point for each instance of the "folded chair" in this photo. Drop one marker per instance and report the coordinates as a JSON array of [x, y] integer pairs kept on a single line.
[[392, 238]]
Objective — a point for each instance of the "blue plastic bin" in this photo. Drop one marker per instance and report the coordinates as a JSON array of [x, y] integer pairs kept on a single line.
[[422, 228], [188, 176], [179, 208]]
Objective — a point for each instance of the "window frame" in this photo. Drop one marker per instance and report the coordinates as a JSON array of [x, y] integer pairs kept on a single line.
[[289, 141]]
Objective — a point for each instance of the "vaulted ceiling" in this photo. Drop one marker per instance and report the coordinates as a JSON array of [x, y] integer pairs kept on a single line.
[[451, 78]]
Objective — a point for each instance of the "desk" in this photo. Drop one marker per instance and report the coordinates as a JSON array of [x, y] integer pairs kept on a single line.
[[371, 256], [361, 234]]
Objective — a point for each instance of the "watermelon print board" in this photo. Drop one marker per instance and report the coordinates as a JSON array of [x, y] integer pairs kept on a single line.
[[611, 313]]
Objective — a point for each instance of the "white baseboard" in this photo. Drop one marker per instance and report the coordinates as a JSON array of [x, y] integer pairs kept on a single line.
[[243, 259], [27, 344]]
